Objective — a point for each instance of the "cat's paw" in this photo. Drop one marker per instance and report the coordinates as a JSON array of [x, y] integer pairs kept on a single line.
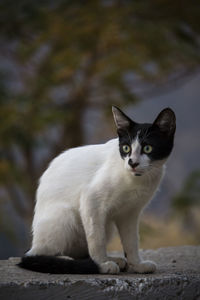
[[121, 261], [109, 267], [146, 266]]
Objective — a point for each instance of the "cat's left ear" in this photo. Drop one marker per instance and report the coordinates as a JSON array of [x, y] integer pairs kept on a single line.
[[121, 120], [166, 121]]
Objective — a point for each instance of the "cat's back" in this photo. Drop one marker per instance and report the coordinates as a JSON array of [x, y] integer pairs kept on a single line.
[[80, 159], [73, 169]]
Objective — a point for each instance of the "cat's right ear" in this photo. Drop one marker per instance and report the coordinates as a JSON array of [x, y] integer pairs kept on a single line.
[[121, 120]]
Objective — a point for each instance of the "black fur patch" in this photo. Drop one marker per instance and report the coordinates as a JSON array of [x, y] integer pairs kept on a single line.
[[161, 143], [56, 265]]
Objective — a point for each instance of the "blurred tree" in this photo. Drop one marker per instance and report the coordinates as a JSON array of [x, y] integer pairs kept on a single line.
[[187, 203], [73, 55], [190, 193]]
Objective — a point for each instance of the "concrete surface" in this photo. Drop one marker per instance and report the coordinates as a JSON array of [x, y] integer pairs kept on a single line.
[[177, 277]]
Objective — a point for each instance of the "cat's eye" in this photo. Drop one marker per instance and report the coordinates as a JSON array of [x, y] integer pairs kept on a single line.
[[126, 148], [147, 149]]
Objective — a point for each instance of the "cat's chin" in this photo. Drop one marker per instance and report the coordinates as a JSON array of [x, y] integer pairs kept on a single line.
[[138, 174]]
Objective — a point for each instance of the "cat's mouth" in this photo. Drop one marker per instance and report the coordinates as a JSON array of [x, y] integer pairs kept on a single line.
[[136, 172]]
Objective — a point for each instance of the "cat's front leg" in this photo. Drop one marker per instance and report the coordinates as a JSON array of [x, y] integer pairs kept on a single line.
[[95, 235], [128, 230], [94, 225]]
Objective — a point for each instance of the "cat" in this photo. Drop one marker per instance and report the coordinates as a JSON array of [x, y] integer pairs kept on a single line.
[[88, 192]]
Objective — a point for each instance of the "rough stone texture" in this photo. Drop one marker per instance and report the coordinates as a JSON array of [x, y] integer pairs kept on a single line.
[[177, 277]]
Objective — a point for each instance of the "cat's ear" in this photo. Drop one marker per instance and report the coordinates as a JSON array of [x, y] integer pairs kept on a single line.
[[121, 120], [166, 121]]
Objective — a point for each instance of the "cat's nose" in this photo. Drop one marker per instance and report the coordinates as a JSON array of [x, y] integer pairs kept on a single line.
[[132, 164]]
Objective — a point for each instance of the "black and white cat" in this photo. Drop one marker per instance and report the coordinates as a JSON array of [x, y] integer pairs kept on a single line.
[[88, 192]]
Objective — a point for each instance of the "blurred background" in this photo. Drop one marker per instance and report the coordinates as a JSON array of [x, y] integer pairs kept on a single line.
[[62, 65]]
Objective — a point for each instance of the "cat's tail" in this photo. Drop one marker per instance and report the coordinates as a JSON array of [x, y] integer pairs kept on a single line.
[[58, 265]]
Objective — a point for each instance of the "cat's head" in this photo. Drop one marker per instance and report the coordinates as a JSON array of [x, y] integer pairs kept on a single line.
[[144, 147]]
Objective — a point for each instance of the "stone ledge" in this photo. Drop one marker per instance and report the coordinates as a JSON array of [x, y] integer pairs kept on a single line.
[[177, 277]]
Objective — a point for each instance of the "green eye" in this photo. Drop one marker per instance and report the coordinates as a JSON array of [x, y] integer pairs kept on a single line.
[[147, 149], [126, 148]]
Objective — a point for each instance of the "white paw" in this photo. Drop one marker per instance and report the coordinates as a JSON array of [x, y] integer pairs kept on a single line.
[[146, 266], [109, 267], [121, 261]]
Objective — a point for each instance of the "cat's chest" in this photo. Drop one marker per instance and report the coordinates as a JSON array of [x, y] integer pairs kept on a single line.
[[133, 192]]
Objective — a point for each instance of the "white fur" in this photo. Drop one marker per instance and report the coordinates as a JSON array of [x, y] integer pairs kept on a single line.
[[137, 157], [84, 195]]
